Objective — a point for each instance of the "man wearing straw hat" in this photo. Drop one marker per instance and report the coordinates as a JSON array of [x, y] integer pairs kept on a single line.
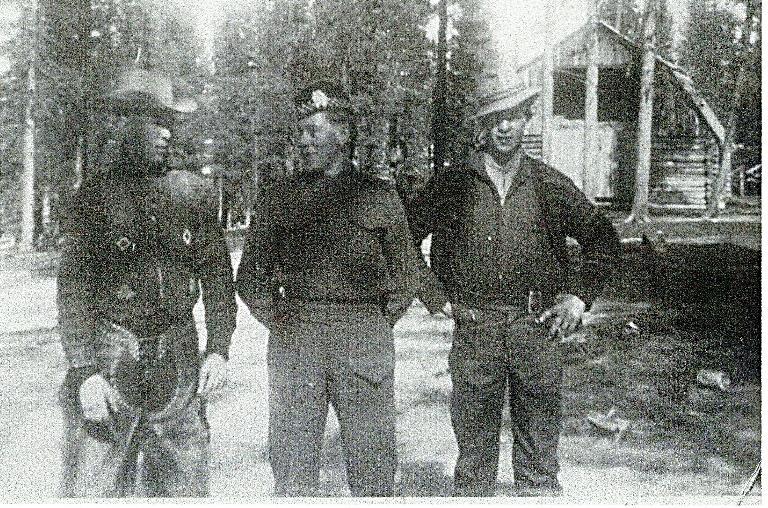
[[499, 222], [140, 242]]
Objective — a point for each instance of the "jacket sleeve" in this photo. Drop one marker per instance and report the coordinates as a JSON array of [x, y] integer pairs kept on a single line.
[[75, 288], [424, 214], [600, 247], [256, 272], [214, 268], [403, 261]]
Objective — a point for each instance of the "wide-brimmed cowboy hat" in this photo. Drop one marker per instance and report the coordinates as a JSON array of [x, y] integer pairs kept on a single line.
[[140, 91], [512, 99], [155, 377]]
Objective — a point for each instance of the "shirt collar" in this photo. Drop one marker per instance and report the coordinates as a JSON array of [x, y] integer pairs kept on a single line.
[[477, 163]]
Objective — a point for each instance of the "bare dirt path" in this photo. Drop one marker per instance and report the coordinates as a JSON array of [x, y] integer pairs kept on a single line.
[[709, 453]]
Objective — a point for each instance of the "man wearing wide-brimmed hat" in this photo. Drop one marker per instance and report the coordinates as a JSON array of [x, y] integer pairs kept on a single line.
[[141, 241], [499, 223], [329, 267]]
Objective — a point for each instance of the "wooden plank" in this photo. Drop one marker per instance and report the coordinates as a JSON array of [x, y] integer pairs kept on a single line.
[[667, 162], [694, 191], [685, 159], [678, 206], [681, 145], [682, 180], [677, 198], [676, 165], [680, 172], [682, 184], [589, 159], [681, 187], [679, 184]]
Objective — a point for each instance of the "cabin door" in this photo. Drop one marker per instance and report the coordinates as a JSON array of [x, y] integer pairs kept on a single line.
[[567, 148]]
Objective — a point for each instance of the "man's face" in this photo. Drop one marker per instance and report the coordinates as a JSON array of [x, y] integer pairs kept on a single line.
[[506, 131], [320, 142]]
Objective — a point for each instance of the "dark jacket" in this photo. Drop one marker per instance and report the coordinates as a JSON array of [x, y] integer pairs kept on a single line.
[[336, 240], [462, 210], [136, 253]]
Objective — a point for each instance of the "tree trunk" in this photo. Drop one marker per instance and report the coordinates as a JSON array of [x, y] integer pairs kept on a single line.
[[221, 211], [27, 240], [547, 85], [718, 188], [79, 158], [439, 135], [589, 154], [645, 120]]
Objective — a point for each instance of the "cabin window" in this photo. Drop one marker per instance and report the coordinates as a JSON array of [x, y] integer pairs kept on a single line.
[[569, 93], [617, 94]]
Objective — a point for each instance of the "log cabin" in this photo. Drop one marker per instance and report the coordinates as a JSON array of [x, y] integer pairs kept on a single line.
[[687, 137]]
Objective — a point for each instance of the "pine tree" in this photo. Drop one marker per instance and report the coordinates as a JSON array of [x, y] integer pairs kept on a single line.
[[78, 44], [719, 42], [472, 59], [627, 16]]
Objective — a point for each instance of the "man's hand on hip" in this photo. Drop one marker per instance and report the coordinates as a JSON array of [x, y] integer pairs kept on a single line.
[[565, 315], [96, 397], [213, 375]]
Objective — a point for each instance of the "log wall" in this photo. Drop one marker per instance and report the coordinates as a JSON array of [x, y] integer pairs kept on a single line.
[[682, 172]]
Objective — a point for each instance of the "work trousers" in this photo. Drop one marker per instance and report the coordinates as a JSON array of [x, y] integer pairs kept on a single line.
[[156, 443], [496, 352], [342, 355]]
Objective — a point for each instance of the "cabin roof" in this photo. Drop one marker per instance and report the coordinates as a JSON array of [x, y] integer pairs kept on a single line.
[[680, 77]]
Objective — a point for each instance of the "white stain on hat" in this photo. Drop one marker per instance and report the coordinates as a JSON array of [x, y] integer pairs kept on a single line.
[[319, 99]]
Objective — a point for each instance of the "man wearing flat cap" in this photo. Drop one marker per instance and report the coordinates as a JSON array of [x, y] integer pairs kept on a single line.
[[140, 242], [499, 223], [328, 267]]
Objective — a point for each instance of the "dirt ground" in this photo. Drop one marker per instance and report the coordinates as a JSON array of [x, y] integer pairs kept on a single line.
[[684, 441]]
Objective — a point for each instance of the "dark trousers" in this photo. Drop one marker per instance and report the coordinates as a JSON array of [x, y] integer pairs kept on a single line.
[[343, 356], [157, 442], [490, 356]]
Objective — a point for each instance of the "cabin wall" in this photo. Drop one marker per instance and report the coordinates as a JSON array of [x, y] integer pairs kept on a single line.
[[685, 156], [682, 171], [682, 168], [567, 153], [684, 152]]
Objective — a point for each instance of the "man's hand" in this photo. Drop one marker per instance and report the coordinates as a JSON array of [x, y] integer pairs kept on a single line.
[[565, 314], [464, 314], [96, 397], [213, 375]]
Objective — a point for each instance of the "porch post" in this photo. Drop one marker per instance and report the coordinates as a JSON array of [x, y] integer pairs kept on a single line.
[[645, 120], [547, 84], [590, 106]]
